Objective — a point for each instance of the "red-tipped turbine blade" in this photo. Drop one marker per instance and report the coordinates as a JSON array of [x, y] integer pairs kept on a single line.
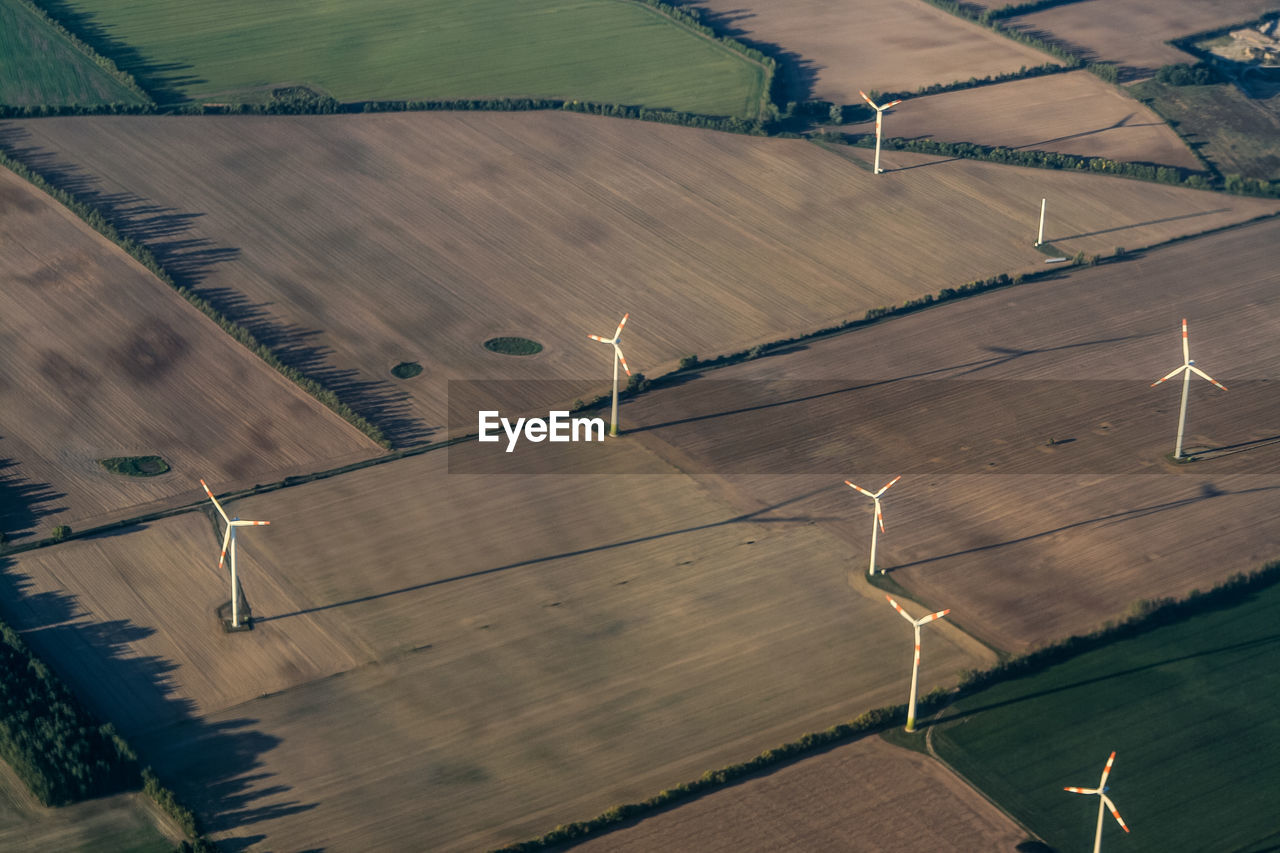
[[859, 488], [898, 607], [1115, 814], [868, 100], [1106, 771], [1081, 790], [226, 537], [1200, 372], [890, 104], [600, 339], [1186, 347], [618, 333], [618, 349], [879, 517], [215, 500], [888, 484], [933, 617], [1169, 375]]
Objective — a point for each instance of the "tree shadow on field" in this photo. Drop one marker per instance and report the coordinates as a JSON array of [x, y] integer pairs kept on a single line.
[[161, 80], [796, 75], [1208, 491], [171, 235], [1256, 643], [213, 767], [759, 516], [23, 502]]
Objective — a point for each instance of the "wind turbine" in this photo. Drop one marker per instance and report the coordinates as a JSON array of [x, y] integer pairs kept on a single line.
[[1040, 233], [915, 666], [878, 521], [1188, 367], [1104, 802], [613, 417], [229, 541], [879, 113]]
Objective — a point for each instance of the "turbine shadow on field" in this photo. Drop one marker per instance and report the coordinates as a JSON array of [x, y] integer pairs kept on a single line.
[[1002, 355], [1207, 491], [23, 502], [209, 765], [1089, 682], [755, 516], [1138, 225], [161, 80], [796, 75]]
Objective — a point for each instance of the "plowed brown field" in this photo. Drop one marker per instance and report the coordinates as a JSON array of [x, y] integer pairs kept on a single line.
[[365, 240], [101, 359], [833, 49], [1027, 558], [1073, 113], [866, 797], [540, 649]]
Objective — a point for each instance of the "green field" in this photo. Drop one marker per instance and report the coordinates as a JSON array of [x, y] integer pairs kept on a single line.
[[611, 51], [1190, 709], [38, 65], [1241, 135]]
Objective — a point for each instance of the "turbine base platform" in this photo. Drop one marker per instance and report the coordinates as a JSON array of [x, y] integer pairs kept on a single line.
[[223, 612]]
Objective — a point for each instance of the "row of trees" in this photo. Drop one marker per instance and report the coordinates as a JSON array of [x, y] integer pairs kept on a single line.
[[104, 226], [1144, 616]]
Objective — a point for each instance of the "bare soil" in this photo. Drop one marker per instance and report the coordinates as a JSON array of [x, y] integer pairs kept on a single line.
[[865, 796], [101, 359], [363, 241], [1073, 113]]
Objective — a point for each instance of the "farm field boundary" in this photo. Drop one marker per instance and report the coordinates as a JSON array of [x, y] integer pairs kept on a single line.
[[100, 223], [1145, 617]]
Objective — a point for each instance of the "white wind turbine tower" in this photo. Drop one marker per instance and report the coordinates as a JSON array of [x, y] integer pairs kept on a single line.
[[879, 114], [915, 666], [1104, 802], [617, 350], [1188, 367], [878, 520], [229, 541]]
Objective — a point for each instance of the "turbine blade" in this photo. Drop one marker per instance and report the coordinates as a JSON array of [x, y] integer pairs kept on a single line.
[[868, 100], [879, 517], [618, 333], [240, 522], [600, 339], [226, 537], [618, 350], [1082, 790], [1169, 375], [1106, 771], [1115, 814], [901, 612], [890, 104], [215, 500], [933, 616], [1200, 372], [859, 488], [1186, 347], [887, 485]]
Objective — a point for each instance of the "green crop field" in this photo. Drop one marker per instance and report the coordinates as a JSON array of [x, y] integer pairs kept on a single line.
[[38, 65], [598, 50], [1190, 710]]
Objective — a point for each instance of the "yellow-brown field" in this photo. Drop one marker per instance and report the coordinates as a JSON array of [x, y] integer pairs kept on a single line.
[[366, 240], [837, 48], [534, 649], [1102, 519], [102, 360], [865, 796], [1135, 33], [1073, 113]]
